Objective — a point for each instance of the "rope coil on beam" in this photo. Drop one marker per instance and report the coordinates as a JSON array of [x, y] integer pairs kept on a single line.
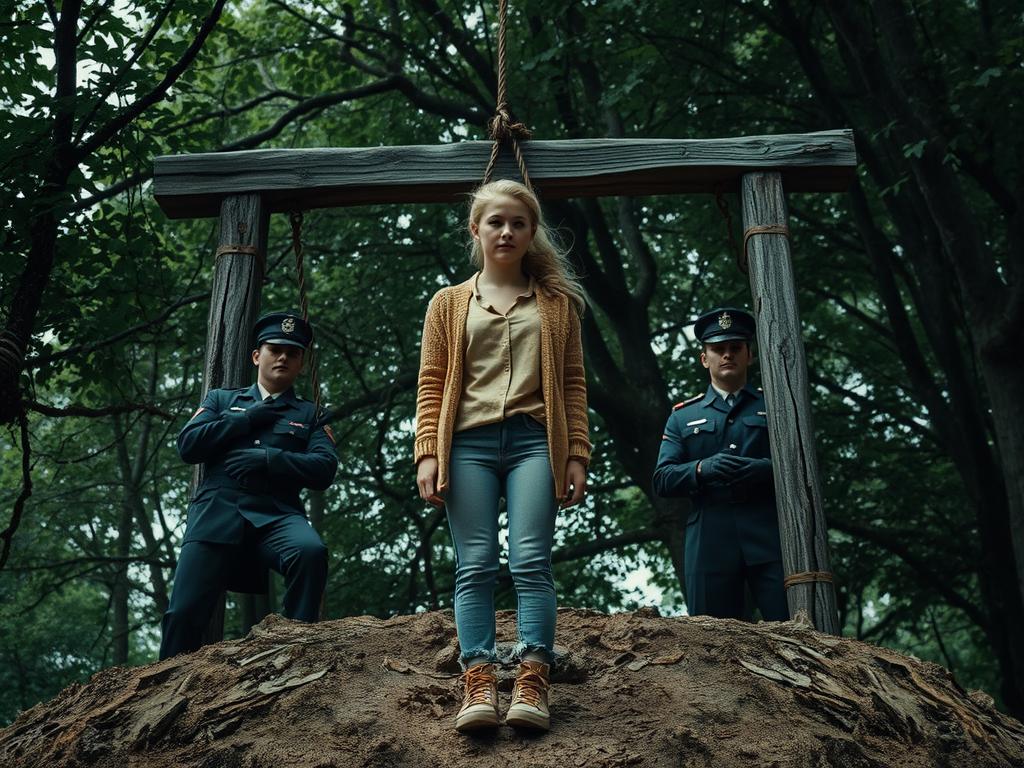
[[760, 229], [807, 577], [233, 249], [246, 250]]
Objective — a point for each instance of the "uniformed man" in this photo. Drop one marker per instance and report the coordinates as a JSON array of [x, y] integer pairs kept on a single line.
[[715, 450], [260, 448]]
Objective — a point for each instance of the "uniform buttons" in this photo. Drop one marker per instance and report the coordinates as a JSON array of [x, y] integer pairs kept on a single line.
[[255, 442], [731, 421]]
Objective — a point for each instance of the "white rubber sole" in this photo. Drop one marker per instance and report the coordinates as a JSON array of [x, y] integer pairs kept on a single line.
[[477, 718], [527, 717]]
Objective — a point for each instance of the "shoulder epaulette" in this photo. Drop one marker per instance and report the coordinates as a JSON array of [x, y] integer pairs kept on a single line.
[[690, 401]]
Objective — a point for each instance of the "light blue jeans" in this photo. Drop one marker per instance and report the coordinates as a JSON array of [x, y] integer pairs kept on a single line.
[[508, 459]]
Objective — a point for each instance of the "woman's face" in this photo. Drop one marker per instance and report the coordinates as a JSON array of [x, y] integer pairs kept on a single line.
[[504, 230]]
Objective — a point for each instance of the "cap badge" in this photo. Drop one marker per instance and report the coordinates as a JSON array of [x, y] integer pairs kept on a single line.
[[725, 321], [288, 324]]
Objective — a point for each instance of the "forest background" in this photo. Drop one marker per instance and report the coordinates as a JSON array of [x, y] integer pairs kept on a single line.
[[910, 290]]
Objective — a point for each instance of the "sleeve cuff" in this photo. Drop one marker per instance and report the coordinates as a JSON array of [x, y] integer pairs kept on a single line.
[[425, 446], [580, 450]]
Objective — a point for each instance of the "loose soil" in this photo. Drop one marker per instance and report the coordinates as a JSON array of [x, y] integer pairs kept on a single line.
[[631, 689]]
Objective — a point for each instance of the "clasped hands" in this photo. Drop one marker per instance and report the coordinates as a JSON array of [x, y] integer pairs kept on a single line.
[[262, 414], [240, 463], [724, 469], [243, 462]]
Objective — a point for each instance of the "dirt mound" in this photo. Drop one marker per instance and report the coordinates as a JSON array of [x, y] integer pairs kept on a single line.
[[631, 689]]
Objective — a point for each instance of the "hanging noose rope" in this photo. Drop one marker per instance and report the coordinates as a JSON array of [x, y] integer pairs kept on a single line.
[[502, 128], [300, 272]]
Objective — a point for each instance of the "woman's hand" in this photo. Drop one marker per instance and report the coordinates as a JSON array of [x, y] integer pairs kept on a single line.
[[575, 483], [426, 480]]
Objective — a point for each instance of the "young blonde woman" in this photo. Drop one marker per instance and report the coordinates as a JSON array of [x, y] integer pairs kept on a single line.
[[501, 411]]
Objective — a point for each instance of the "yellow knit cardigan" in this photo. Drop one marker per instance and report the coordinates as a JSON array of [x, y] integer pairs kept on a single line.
[[563, 381]]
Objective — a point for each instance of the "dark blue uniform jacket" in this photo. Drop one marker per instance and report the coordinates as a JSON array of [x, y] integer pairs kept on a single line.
[[724, 518], [297, 457]]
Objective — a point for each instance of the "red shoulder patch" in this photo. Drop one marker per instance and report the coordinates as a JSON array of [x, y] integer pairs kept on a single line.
[[690, 401]]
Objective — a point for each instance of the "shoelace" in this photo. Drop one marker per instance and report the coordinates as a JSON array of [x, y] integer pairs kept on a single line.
[[529, 687], [478, 684]]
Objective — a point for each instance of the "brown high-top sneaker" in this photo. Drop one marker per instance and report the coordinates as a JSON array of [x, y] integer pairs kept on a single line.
[[479, 699], [529, 708]]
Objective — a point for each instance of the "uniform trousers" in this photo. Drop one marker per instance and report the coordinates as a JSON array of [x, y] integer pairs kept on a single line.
[[717, 589], [288, 545]]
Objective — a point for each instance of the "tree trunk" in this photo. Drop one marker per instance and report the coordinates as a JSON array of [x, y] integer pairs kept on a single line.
[[44, 220], [131, 479], [120, 590]]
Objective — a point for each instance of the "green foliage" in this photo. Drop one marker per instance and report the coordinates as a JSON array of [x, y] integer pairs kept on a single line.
[[107, 335]]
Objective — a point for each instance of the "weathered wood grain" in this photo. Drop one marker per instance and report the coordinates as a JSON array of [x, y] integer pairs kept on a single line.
[[234, 307], [790, 424], [237, 286], [190, 186]]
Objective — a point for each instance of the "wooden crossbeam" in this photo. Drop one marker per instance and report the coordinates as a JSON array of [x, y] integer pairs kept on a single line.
[[192, 186]]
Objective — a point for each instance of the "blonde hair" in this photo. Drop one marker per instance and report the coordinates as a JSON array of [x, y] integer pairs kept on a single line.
[[545, 260]]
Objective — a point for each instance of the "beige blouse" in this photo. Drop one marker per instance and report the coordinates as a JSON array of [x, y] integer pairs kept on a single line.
[[563, 379], [501, 376]]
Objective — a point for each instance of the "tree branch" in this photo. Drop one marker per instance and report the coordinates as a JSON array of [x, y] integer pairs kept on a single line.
[[929, 577], [85, 349], [597, 546], [638, 248], [94, 413], [92, 559], [484, 69], [312, 104], [136, 108], [139, 49], [139, 177]]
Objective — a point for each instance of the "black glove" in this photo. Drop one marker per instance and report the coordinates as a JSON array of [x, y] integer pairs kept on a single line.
[[747, 470], [243, 462], [261, 414], [718, 470]]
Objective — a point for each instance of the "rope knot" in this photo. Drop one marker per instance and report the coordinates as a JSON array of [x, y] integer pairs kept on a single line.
[[502, 127]]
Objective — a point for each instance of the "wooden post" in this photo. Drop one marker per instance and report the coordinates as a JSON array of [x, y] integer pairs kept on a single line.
[[234, 307], [790, 425]]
